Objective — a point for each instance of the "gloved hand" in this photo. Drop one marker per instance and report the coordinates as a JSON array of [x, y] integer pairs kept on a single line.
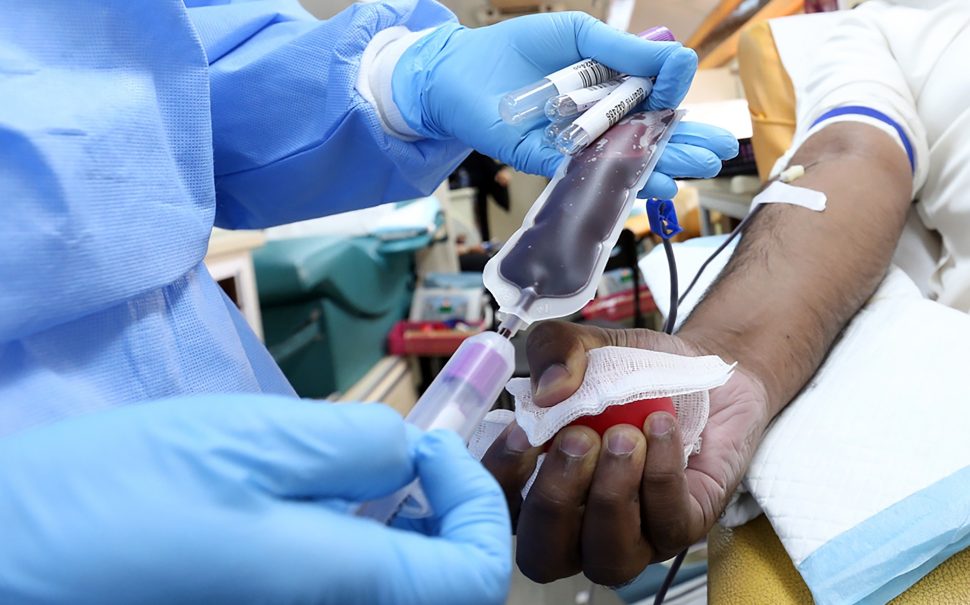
[[243, 499], [449, 83], [695, 151]]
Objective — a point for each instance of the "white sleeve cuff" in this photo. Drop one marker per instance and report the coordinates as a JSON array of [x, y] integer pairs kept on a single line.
[[376, 70]]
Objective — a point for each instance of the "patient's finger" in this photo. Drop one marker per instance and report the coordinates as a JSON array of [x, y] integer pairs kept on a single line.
[[668, 509], [551, 518], [557, 359], [614, 549], [511, 459]]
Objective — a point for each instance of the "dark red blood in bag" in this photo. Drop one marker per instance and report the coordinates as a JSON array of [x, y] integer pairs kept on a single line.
[[557, 255]]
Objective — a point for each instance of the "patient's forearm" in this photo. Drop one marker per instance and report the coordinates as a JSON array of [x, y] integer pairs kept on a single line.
[[799, 276]]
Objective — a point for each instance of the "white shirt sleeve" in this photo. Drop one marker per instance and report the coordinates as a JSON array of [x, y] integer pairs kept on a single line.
[[376, 70], [857, 66]]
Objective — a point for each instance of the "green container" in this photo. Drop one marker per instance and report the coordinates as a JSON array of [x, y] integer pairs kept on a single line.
[[328, 304]]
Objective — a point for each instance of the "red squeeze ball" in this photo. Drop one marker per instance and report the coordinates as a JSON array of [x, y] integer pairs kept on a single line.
[[634, 413]]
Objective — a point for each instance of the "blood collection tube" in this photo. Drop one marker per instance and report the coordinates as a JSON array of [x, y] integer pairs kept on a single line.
[[554, 129], [604, 114], [568, 105], [457, 400], [529, 101]]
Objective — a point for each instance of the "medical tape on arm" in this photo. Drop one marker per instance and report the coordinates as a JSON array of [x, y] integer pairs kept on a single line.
[[783, 193]]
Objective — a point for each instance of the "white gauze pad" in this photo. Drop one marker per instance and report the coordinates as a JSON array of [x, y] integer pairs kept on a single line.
[[488, 431], [619, 375], [614, 376]]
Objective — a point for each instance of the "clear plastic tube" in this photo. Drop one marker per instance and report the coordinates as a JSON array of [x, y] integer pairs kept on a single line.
[[457, 400], [529, 102], [603, 115], [554, 129], [552, 264], [571, 104]]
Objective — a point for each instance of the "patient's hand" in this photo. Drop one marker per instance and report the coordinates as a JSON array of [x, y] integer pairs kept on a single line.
[[609, 507]]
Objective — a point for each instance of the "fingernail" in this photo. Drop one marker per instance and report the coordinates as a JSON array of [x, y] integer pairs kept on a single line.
[[517, 441], [575, 443], [551, 379], [661, 424], [620, 442]]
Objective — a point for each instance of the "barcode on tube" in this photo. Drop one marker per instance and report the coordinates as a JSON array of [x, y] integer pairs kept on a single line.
[[592, 72], [620, 109], [603, 85]]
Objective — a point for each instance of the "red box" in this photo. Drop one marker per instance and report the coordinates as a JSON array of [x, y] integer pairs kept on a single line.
[[427, 338], [619, 306]]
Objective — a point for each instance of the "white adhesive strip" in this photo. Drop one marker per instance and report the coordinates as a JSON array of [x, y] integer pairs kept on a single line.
[[783, 193]]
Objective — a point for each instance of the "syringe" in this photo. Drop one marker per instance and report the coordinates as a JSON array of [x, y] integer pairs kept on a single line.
[[529, 101], [457, 400]]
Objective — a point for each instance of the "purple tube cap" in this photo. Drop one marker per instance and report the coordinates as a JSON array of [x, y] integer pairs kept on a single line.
[[658, 33]]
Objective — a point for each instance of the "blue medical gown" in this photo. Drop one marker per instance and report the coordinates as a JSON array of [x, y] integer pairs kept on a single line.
[[127, 129]]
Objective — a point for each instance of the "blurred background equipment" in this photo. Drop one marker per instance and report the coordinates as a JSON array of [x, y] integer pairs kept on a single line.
[[490, 181]]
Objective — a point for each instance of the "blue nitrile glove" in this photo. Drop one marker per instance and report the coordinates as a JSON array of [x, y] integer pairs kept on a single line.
[[449, 83], [230, 499], [695, 151]]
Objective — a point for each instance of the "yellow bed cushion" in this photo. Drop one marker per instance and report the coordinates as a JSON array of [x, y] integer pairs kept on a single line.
[[749, 565], [770, 94]]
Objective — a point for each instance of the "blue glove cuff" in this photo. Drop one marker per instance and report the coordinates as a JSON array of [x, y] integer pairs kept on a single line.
[[411, 80]]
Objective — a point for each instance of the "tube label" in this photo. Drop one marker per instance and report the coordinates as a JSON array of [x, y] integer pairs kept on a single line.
[[584, 98], [581, 75], [614, 106]]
